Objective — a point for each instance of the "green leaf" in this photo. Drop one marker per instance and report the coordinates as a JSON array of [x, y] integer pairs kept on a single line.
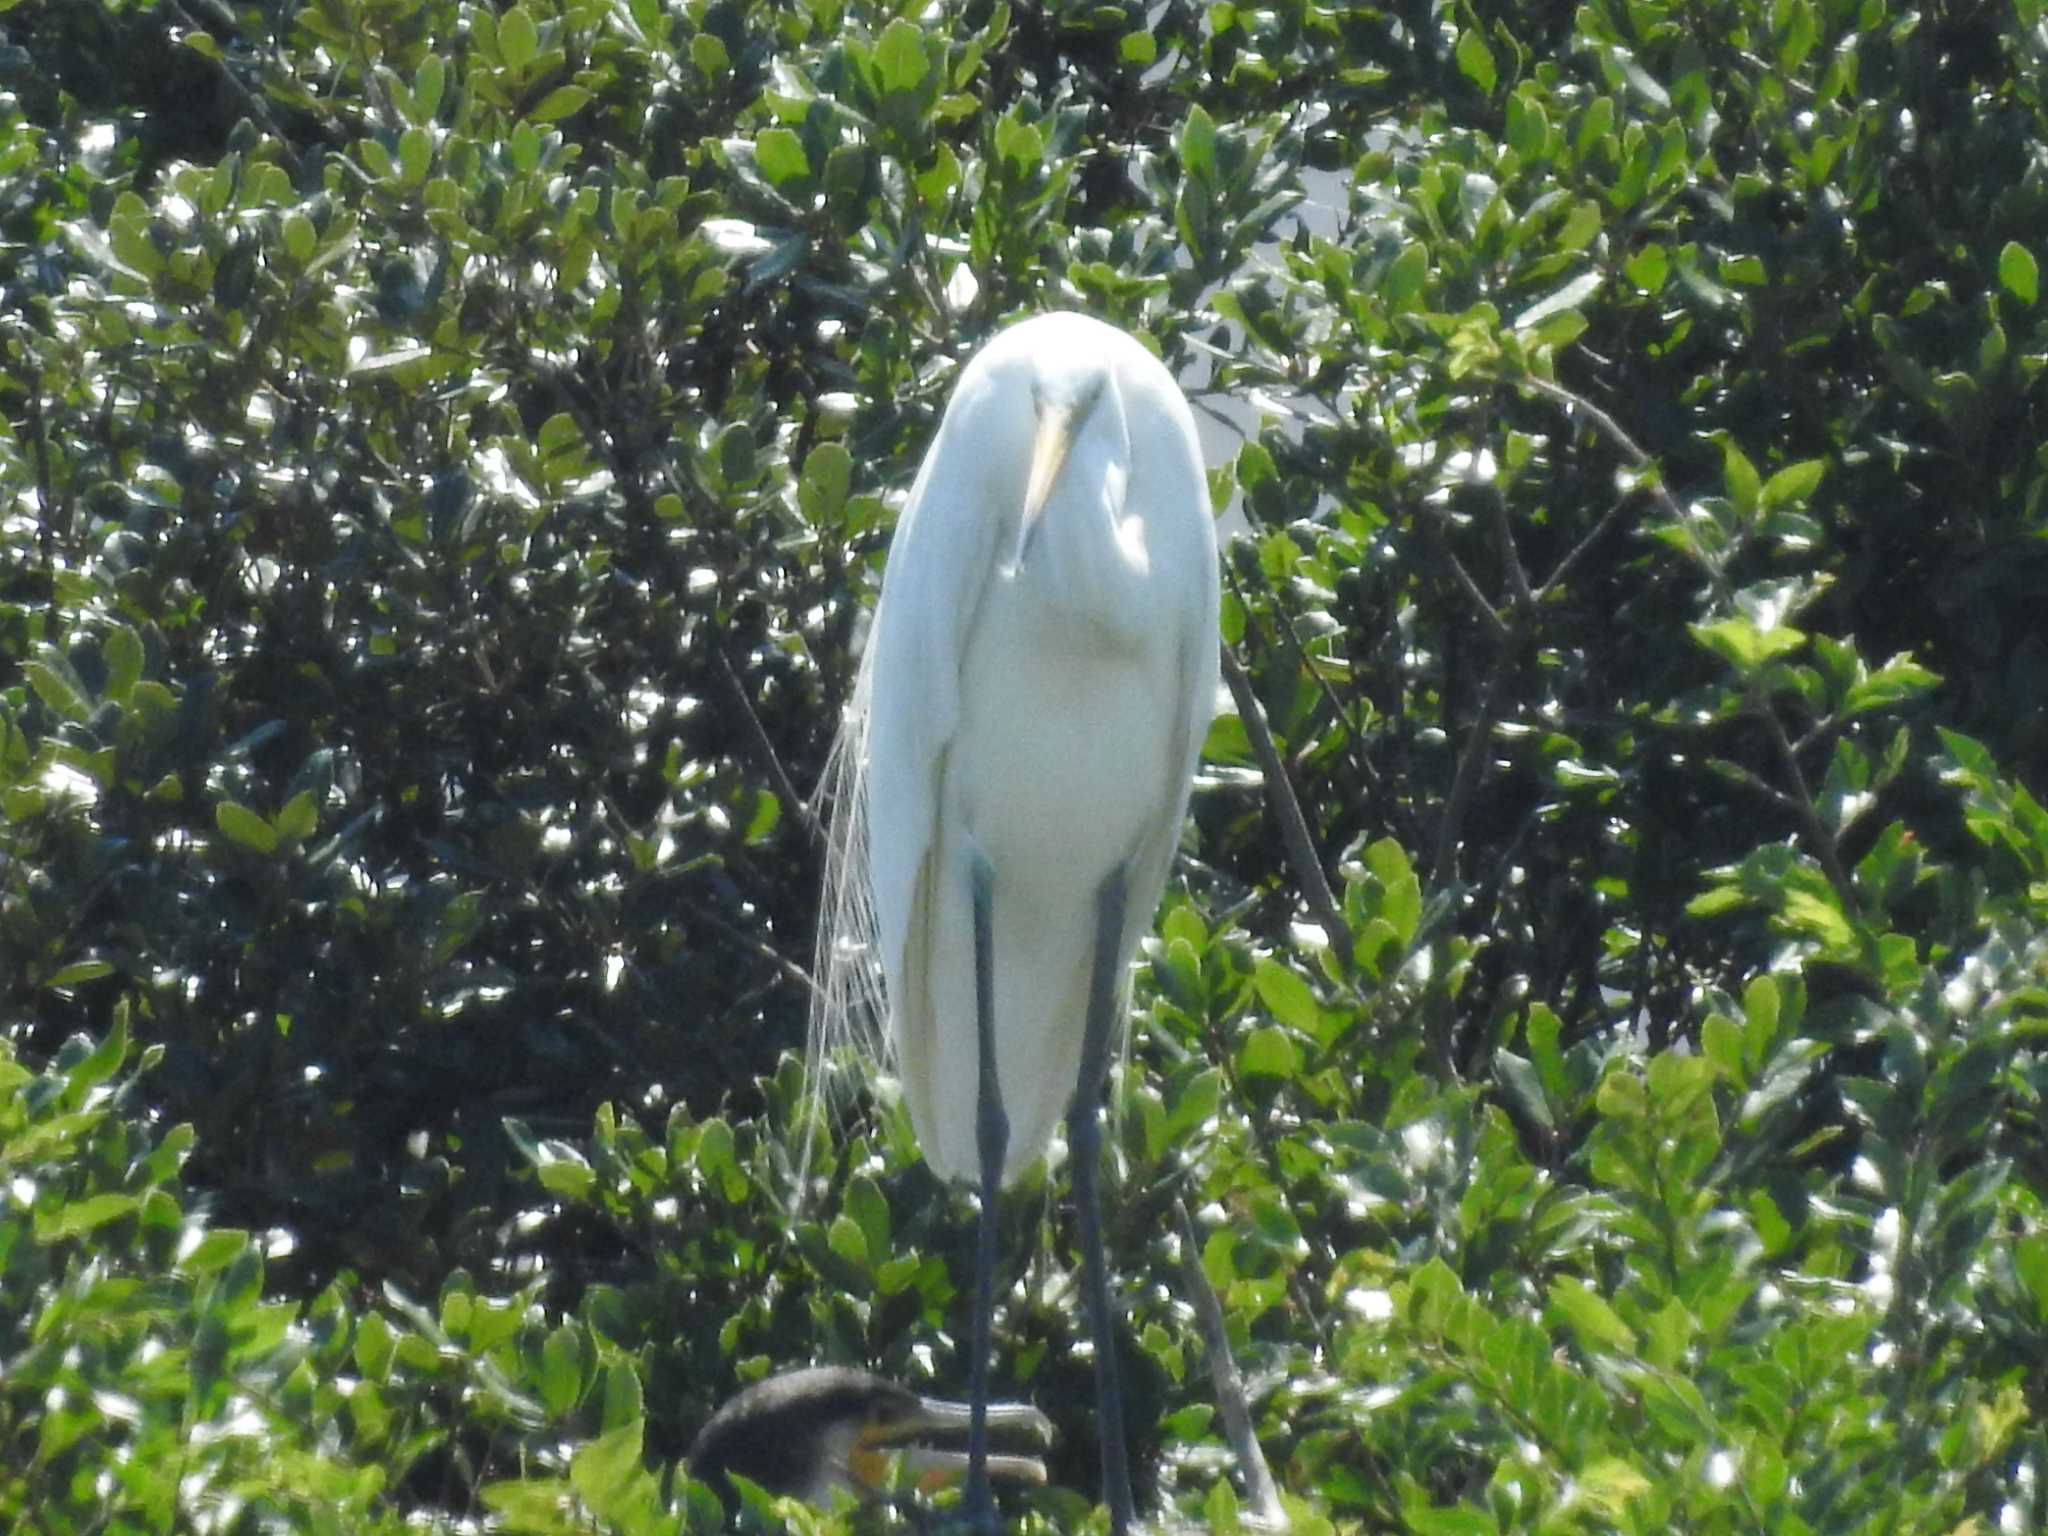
[[900, 56], [825, 484], [624, 1401], [531, 1503], [300, 238], [77, 1216], [415, 155], [1570, 296], [300, 817], [1763, 1006], [1821, 916], [1198, 145], [604, 1469], [780, 154], [375, 1348], [128, 235], [1019, 142], [1579, 228], [1721, 1042], [1745, 647], [1475, 60], [2019, 273], [2030, 1263], [846, 1239], [1611, 1485], [561, 1370], [767, 815], [56, 683], [1591, 1317], [102, 1061], [565, 1171], [1744, 488], [79, 972], [216, 1250], [1402, 288], [1648, 268], [123, 652], [1454, 1520], [1895, 682], [518, 39], [244, 826], [1528, 125], [1269, 1051], [1523, 1082], [1177, 973], [1286, 995], [562, 101], [708, 53], [1792, 484], [428, 84]]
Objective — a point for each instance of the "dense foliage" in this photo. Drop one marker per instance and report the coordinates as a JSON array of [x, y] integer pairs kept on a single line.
[[1593, 1054]]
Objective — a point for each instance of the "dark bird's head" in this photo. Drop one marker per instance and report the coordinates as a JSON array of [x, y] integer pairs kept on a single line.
[[808, 1432]]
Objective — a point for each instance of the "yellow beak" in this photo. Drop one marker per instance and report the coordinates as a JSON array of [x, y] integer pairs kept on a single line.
[[1059, 423]]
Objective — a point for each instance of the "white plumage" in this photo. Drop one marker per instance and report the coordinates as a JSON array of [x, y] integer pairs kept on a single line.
[[1037, 683]]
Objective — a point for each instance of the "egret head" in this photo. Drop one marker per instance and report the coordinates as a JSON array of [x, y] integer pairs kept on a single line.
[[1054, 421], [808, 1432]]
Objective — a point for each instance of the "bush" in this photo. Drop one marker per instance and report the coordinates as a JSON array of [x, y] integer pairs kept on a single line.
[[449, 449]]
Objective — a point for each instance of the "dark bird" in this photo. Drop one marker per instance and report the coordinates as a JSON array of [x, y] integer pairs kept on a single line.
[[808, 1432]]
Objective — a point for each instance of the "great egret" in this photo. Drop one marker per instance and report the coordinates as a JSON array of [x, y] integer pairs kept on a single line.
[[810, 1432], [1013, 770]]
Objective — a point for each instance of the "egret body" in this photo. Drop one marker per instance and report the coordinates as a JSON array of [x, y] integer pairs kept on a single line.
[[1015, 765]]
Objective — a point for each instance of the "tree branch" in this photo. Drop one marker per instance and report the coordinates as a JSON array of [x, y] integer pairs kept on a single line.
[[1294, 833], [1228, 1381], [765, 749]]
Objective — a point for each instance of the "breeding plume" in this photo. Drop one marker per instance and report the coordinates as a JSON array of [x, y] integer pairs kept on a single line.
[[1014, 768]]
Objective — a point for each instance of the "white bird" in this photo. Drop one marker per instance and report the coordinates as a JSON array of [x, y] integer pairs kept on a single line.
[[1013, 770]]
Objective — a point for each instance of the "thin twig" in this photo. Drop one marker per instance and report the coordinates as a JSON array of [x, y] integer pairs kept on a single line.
[[46, 496], [1607, 424], [1504, 537], [1510, 557], [1513, 636], [1579, 550], [814, 828], [1360, 764], [1224, 1376], [790, 970], [1301, 853], [1750, 779], [1465, 783], [251, 103], [1482, 605], [1828, 852]]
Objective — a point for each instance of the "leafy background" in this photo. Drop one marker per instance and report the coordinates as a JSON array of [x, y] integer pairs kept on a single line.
[[1593, 1054]]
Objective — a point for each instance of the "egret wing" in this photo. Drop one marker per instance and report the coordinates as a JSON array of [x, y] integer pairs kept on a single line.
[[938, 570]]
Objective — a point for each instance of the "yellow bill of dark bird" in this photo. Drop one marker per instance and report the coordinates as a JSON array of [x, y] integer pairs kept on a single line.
[[809, 1432]]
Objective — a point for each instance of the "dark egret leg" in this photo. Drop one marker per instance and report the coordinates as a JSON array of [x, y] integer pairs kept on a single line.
[[992, 1143], [1084, 1137]]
